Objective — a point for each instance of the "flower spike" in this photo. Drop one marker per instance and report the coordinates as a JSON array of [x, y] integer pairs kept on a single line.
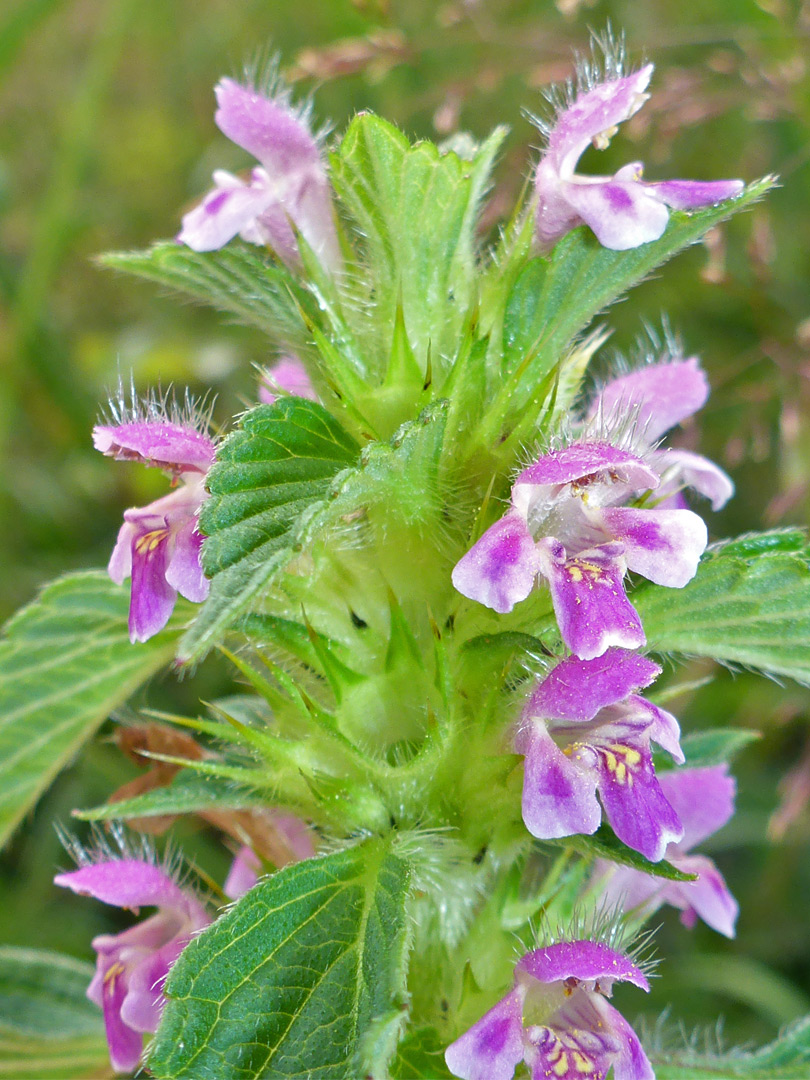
[[623, 210]]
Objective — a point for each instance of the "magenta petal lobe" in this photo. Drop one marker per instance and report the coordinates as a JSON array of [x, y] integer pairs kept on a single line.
[[663, 545], [577, 689], [590, 603], [559, 799], [500, 569], [634, 804], [493, 1047]]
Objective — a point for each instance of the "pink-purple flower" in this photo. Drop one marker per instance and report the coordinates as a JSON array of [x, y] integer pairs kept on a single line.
[[567, 523], [557, 1019], [288, 376], [287, 191], [659, 396], [584, 730], [704, 801], [159, 545], [622, 210], [131, 967]]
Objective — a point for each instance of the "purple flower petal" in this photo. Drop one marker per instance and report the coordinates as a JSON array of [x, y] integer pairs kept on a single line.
[[289, 376], [159, 443], [591, 117], [583, 960], [577, 689], [124, 1043], [631, 1063], [493, 1047], [275, 134], [623, 211], [634, 804], [184, 572], [581, 460], [128, 883], [622, 214], [267, 128], [163, 556], [572, 1053], [702, 798], [143, 1006], [697, 472], [590, 603], [227, 211], [152, 598], [120, 565], [632, 889], [660, 726], [243, 874], [594, 112], [708, 898], [662, 395], [692, 194], [500, 569], [663, 545], [296, 833], [559, 798]]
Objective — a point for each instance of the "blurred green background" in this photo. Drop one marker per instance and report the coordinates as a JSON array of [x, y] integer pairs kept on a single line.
[[107, 135]]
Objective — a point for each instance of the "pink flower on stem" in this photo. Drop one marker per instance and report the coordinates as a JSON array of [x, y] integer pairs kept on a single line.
[[288, 191], [567, 523], [132, 966], [586, 729], [288, 376], [663, 395], [158, 545], [557, 1019], [623, 210], [704, 801]]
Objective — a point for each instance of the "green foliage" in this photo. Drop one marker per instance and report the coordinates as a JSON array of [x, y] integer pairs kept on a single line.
[[48, 1028], [239, 279], [65, 663], [604, 844], [716, 746], [302, 977], [420, 1056], [786, 1058], [748, 604], [415, 212], [268, 472], [187, 793]]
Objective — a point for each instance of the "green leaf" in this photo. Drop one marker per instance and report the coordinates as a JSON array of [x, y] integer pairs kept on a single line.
[[748, 604], [276, 465], [704, 748], [65, 663], [188, 793], [579, 279], [295, 979], [786, 1058], [420, 1056], [416, 210], [48, 1028], [239, 278], [604, 844]]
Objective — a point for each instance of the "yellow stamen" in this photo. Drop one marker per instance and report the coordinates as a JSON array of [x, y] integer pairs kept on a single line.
[[150, 541]]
